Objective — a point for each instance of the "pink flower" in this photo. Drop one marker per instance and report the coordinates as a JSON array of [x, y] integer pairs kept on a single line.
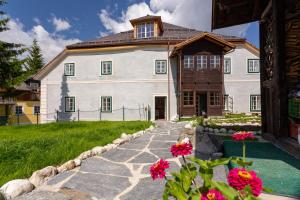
[[239, 178], [182, 148], [157, 170], [212, 195], [242, 135]]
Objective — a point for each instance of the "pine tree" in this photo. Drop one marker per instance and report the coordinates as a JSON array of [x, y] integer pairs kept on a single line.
[[35, 59], [11, 71]]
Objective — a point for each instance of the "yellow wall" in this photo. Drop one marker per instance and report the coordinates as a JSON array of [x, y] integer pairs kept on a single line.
[[28, 116], [2, 110]]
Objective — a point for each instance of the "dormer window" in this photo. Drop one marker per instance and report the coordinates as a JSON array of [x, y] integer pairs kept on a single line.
[[145, 30]]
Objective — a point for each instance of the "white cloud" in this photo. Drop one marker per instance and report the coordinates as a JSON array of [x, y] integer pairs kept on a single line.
[[50, 43], [192, 14], [37, 20], [60, 24]]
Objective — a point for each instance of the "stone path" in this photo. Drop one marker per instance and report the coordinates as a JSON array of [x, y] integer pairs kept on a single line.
[[120, 174]]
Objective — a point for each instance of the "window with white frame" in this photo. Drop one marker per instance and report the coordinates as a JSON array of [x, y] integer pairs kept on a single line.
[[253, 65], [106, 67], [201, 62], [227, 65], [160, 67], [69, 104], [215, 99], [19, 110], [69, 69], [36, 110], [106, 104], [215, 62], [145, 30], [188, 62], [188, 98], [226, 102], [255, 103]]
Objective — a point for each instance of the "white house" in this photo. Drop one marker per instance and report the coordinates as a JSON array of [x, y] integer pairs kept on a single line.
[[157, 70]]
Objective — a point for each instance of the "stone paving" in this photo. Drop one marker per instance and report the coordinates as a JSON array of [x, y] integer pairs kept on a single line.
[[120, 174]]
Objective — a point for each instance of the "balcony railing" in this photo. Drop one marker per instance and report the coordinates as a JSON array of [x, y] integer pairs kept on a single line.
[[7, 100]]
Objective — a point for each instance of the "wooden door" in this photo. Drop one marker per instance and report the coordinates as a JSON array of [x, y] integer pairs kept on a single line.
[[160, 108]]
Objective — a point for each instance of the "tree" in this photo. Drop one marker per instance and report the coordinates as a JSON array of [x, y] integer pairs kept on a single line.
[[11, 70], [35, 59]]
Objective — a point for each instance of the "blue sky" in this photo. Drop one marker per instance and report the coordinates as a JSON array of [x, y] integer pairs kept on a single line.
[[57, 23]]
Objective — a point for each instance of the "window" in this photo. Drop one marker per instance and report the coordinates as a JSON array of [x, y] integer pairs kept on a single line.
[[70, 104], [106, 104], [106, 67], [19, 110], [188, 62], [34, 86], [214, 98], [226, 102], [36, 110], [188, 98], [160, 67], [253, 65], [227, 65], [201, 62], [145, 30], [69, 69], [214, 62], [255, 103]]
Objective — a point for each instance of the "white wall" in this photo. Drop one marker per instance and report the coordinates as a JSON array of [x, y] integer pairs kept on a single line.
[[240, 84], [133, 83]]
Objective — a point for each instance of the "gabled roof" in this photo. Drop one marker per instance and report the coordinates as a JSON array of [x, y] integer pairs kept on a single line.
[[172, 34], [227, 46]]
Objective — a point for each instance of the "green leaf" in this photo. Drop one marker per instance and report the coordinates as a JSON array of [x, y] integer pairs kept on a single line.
[[201, 163], [267, 190], [186, 179], [195, 197], [240, 162], [166, 194], [176, 190], [225, 189], [222, 161], [206, 175]]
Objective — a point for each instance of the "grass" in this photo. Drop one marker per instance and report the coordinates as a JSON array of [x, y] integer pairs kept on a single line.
[[278, 170], [25, 149]]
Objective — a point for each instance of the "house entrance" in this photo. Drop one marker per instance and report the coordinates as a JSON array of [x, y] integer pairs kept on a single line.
[[160, 107], [201, 104]]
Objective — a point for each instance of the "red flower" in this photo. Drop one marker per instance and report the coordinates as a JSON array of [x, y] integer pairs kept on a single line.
[[239, 178], [182, 149], [242, 135], [212, 195], [157, 170]]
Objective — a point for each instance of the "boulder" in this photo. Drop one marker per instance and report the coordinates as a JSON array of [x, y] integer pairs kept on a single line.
[[77, 162], [109, 147], [40, 176], [223, 130], [119, 141], [16, 187], [97, 150], [206, 128], [210, 130], [85, 155], [205, 145], [200, 128], [216, 131], [188, 126], [66, 166], [124, 136], [138, 134]]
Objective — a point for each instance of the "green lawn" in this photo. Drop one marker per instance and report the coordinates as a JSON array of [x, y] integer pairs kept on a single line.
[[24, 149]]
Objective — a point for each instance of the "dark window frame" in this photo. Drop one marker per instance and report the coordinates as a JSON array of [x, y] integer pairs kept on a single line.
[[74, 109], [110, 108], [102, 67], [248, 66], [65, 66], [251, 109], [225, 72], [166, 66], [190, 102]]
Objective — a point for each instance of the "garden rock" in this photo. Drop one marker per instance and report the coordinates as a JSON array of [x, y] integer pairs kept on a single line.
[[67, 166], [85, 155], [223, 130], [16, 187], [205, 145], [124, 136], [98, 150], [210, 130], [206, 128], [2, 196], [231, 132], [216, 131], [77, 162], [200, 128], [188, 126], [109, 147], [40, 176], [119, 141]]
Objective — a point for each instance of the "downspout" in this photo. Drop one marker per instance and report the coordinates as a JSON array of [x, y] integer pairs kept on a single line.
[[169, 70]]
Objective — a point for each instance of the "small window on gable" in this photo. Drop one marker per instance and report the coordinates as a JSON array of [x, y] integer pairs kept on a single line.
[[160, 67], [106, 67], [106, 104], [215, 62], [188, 62], [69, 69], [227, 65], [201, 62], [19, 110], [145, 30], [69, 104], [253, 65], [188, 98], [215, 98]]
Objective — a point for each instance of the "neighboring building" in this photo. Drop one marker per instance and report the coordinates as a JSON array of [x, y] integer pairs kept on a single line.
[[21, 105], [171, 70]]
